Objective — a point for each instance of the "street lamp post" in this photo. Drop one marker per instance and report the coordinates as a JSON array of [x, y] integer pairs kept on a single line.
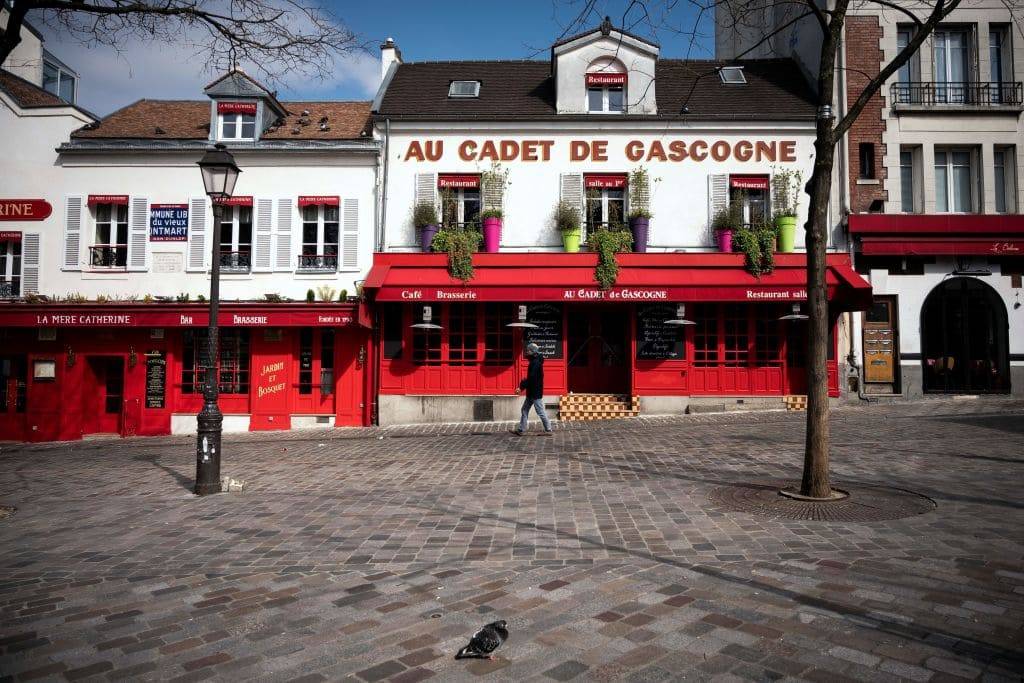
[[219, 176]]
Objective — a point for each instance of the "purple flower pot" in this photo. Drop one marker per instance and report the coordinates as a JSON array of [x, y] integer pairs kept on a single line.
[[724, 239], [492, 234], [427, 233], [640, 227]]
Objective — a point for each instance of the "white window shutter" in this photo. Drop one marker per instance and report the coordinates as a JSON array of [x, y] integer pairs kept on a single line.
[[262, 259], [73, 207], [30, 255], [426, 188], [572, 190], [138, 232], [718, 197], [283, 250], [197, 232], [350, 235]]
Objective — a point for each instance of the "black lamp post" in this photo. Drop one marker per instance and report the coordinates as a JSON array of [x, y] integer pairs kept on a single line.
[[219, 176]]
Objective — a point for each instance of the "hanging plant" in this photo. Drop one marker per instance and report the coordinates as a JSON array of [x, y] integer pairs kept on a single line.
[[460, 244], [757, 244], [608, 243]]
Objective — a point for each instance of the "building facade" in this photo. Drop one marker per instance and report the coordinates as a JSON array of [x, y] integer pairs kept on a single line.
[[929, 191]]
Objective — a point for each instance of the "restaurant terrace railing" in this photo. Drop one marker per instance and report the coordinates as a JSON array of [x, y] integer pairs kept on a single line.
[[108, 255], [1008, 94], [235, 261], [320, 263]]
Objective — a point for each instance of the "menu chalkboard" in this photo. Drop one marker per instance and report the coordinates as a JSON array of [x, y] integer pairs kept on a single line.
[[548, 333], [156, 379], [656, 340]]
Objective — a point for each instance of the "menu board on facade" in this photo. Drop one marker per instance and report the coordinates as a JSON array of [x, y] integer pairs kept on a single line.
[[156, 379], [655, 340], [548, 333]]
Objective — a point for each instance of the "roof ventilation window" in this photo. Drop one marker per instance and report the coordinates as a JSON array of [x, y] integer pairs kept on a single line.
[[732, 75], [464, 89]]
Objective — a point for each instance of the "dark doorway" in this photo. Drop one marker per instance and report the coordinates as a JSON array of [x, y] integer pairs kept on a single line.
[[598, 344], [965, 339], [103, 395]]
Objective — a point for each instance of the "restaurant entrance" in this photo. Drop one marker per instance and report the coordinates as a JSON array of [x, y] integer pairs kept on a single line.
[[598, 349], [103, 396]]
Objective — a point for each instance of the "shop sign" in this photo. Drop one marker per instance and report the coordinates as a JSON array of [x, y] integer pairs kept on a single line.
[[168, 222], [606, 79], [587, 294], [270, 379], [604, 182], [235, 201], [748, 182], [156, 378], [319, 200], [117, 199], [451, 181], [24, 209], [10, 236], [157, 318], [1007, 247], [236, 108], [776, 294]]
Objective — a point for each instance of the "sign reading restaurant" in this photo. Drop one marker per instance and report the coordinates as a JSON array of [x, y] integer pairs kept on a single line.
[[697, 150]]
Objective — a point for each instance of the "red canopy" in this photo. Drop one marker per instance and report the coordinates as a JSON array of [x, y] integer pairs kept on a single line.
[[939, 234]]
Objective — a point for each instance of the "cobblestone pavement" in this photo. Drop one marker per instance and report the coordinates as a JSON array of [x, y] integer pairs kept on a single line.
[[372, 555]]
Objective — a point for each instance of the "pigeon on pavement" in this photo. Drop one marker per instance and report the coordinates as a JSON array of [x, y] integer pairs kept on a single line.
[[485, 641]]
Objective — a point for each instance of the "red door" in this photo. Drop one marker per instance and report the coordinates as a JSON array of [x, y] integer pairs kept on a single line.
[[13, 395], [350, 377], [103, 395], [598, 343]]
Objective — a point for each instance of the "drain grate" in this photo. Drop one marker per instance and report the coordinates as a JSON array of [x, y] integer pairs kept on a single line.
[[6, 511], [865, 503]]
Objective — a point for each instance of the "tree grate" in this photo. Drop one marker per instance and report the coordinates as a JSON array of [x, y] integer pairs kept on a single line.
[[866, 503]]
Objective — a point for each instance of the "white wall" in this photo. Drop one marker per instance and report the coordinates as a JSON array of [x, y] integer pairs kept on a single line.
[[679, 190], [637, 58], [26, 60]]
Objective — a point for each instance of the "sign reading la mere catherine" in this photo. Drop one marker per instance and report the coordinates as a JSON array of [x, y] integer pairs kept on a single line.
[[699, 150]]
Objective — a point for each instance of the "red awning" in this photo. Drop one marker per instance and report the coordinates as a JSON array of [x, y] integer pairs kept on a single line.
[[609, 181], [457, 180], [941, 246], [95, 199], [748, 182], [939, 234], [236, 201], [601, 79], [642, 278], [175, 315], [319, 200]]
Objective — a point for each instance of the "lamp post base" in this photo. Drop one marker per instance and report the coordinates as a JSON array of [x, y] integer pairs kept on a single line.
[[208, 432]]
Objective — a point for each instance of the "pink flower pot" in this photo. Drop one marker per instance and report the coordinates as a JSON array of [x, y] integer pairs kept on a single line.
[[724, 238], [492, 234]]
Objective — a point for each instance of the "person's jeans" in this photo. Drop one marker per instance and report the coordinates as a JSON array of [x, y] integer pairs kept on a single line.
[[538, 405]]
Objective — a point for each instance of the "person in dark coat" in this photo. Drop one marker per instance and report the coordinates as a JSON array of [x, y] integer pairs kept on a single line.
[[533, 385]]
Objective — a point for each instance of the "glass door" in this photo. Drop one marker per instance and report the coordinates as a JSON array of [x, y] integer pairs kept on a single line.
[[951, 68]]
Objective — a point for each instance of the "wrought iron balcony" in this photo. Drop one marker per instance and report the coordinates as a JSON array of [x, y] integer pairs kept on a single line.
[[108, 255], [1008, 94], [319, 263], [235, 261]]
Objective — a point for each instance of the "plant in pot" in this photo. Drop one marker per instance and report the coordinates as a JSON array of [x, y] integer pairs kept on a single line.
[[425, 218], [639, 208], [607, 243], [786, 190], [460, 242], [568, 221], [493, 183], [725, 222], [756, 243]]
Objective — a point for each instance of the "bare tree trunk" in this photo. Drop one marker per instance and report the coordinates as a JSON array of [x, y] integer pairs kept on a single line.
[[10, 37]]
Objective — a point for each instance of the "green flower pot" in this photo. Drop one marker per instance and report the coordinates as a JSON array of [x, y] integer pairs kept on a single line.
[[786, 226], [571, 240]]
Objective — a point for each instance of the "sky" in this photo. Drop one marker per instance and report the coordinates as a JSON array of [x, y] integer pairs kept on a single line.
[[424, 31]]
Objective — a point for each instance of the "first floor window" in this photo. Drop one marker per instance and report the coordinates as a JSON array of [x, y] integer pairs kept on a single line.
[[10, 267], [908, 180], [606, 208], [232, 369], [751, 193], [237, 127], [1004, 162], [954, 184], [236, 239], [319, 238], [110, 246], [460, 206]]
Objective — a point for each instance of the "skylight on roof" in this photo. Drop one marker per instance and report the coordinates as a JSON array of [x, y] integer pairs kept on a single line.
[[733, 75], [464, 89]]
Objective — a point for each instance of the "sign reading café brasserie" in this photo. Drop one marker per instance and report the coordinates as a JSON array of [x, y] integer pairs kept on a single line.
[[697, 150]]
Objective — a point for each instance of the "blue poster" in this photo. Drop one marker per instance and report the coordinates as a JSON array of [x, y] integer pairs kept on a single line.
[[168, 222]]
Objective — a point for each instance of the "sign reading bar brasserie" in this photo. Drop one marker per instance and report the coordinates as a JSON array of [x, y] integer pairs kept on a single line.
[[698, 150]]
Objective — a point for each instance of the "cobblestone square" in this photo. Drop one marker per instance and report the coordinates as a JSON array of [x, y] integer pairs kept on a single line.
[[373, 554]]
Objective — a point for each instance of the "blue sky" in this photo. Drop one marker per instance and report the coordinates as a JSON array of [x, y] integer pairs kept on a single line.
[[435, 30]]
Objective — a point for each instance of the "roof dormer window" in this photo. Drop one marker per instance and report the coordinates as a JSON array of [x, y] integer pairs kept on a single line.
[[732, 75], [606, 87], [236, 121], [464, 89]]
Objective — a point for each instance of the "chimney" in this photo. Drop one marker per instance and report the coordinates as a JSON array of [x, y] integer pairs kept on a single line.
[[389, 54]]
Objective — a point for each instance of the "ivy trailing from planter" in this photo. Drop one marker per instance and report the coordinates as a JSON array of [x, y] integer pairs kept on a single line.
[[757, 244], [608, 243], [460, 244]]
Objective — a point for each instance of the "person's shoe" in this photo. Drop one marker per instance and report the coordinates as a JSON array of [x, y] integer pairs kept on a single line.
[[548, 432], [515, 432]]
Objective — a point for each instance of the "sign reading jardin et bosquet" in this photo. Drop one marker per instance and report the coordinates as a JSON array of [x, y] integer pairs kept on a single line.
[[677, 150]]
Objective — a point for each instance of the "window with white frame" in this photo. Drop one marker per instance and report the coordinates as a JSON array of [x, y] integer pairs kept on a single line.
[[605, 201], [1004, 162], [59, 81], [955, 180], [606, 87], [10, 266], [951, 49], [910, 182], [110, 244], [236, 239], [751, 193], [237, 126], [319, 238], [460, 200]]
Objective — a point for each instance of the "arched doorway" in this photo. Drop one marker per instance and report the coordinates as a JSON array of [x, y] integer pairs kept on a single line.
[[965, 339]]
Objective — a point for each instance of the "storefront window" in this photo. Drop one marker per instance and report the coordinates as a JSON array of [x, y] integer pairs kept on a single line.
[[767, 339], [236, 239], [10, 267], [497, 335], [306, 360], [426, 346], [110, 246], [736, 336], [319, 238], [462, 334], [705, 337], [326, 362], [13, 383], [234, 361], [391, 326]]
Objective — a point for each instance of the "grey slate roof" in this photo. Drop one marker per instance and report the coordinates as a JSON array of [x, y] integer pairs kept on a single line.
[[524, 90]]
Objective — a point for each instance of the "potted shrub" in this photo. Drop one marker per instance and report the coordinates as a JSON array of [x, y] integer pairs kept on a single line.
[[493, 183], [725, 222], [639, 208], [424, 217], [786, 190], [568, 222]]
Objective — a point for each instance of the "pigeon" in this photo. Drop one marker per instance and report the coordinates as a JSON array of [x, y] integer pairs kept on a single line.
[[485, 641]]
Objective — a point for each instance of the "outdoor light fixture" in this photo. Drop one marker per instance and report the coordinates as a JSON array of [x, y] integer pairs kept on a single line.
[[426, 324], [219, 177], [680, 318], [795, 315], [521, 321]]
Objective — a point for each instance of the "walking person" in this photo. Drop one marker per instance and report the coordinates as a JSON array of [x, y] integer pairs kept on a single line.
[[533, 385]]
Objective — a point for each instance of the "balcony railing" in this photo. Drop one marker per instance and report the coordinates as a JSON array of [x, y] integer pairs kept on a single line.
[[108, 255], [235, 261], [320, 263], [937, 93]]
